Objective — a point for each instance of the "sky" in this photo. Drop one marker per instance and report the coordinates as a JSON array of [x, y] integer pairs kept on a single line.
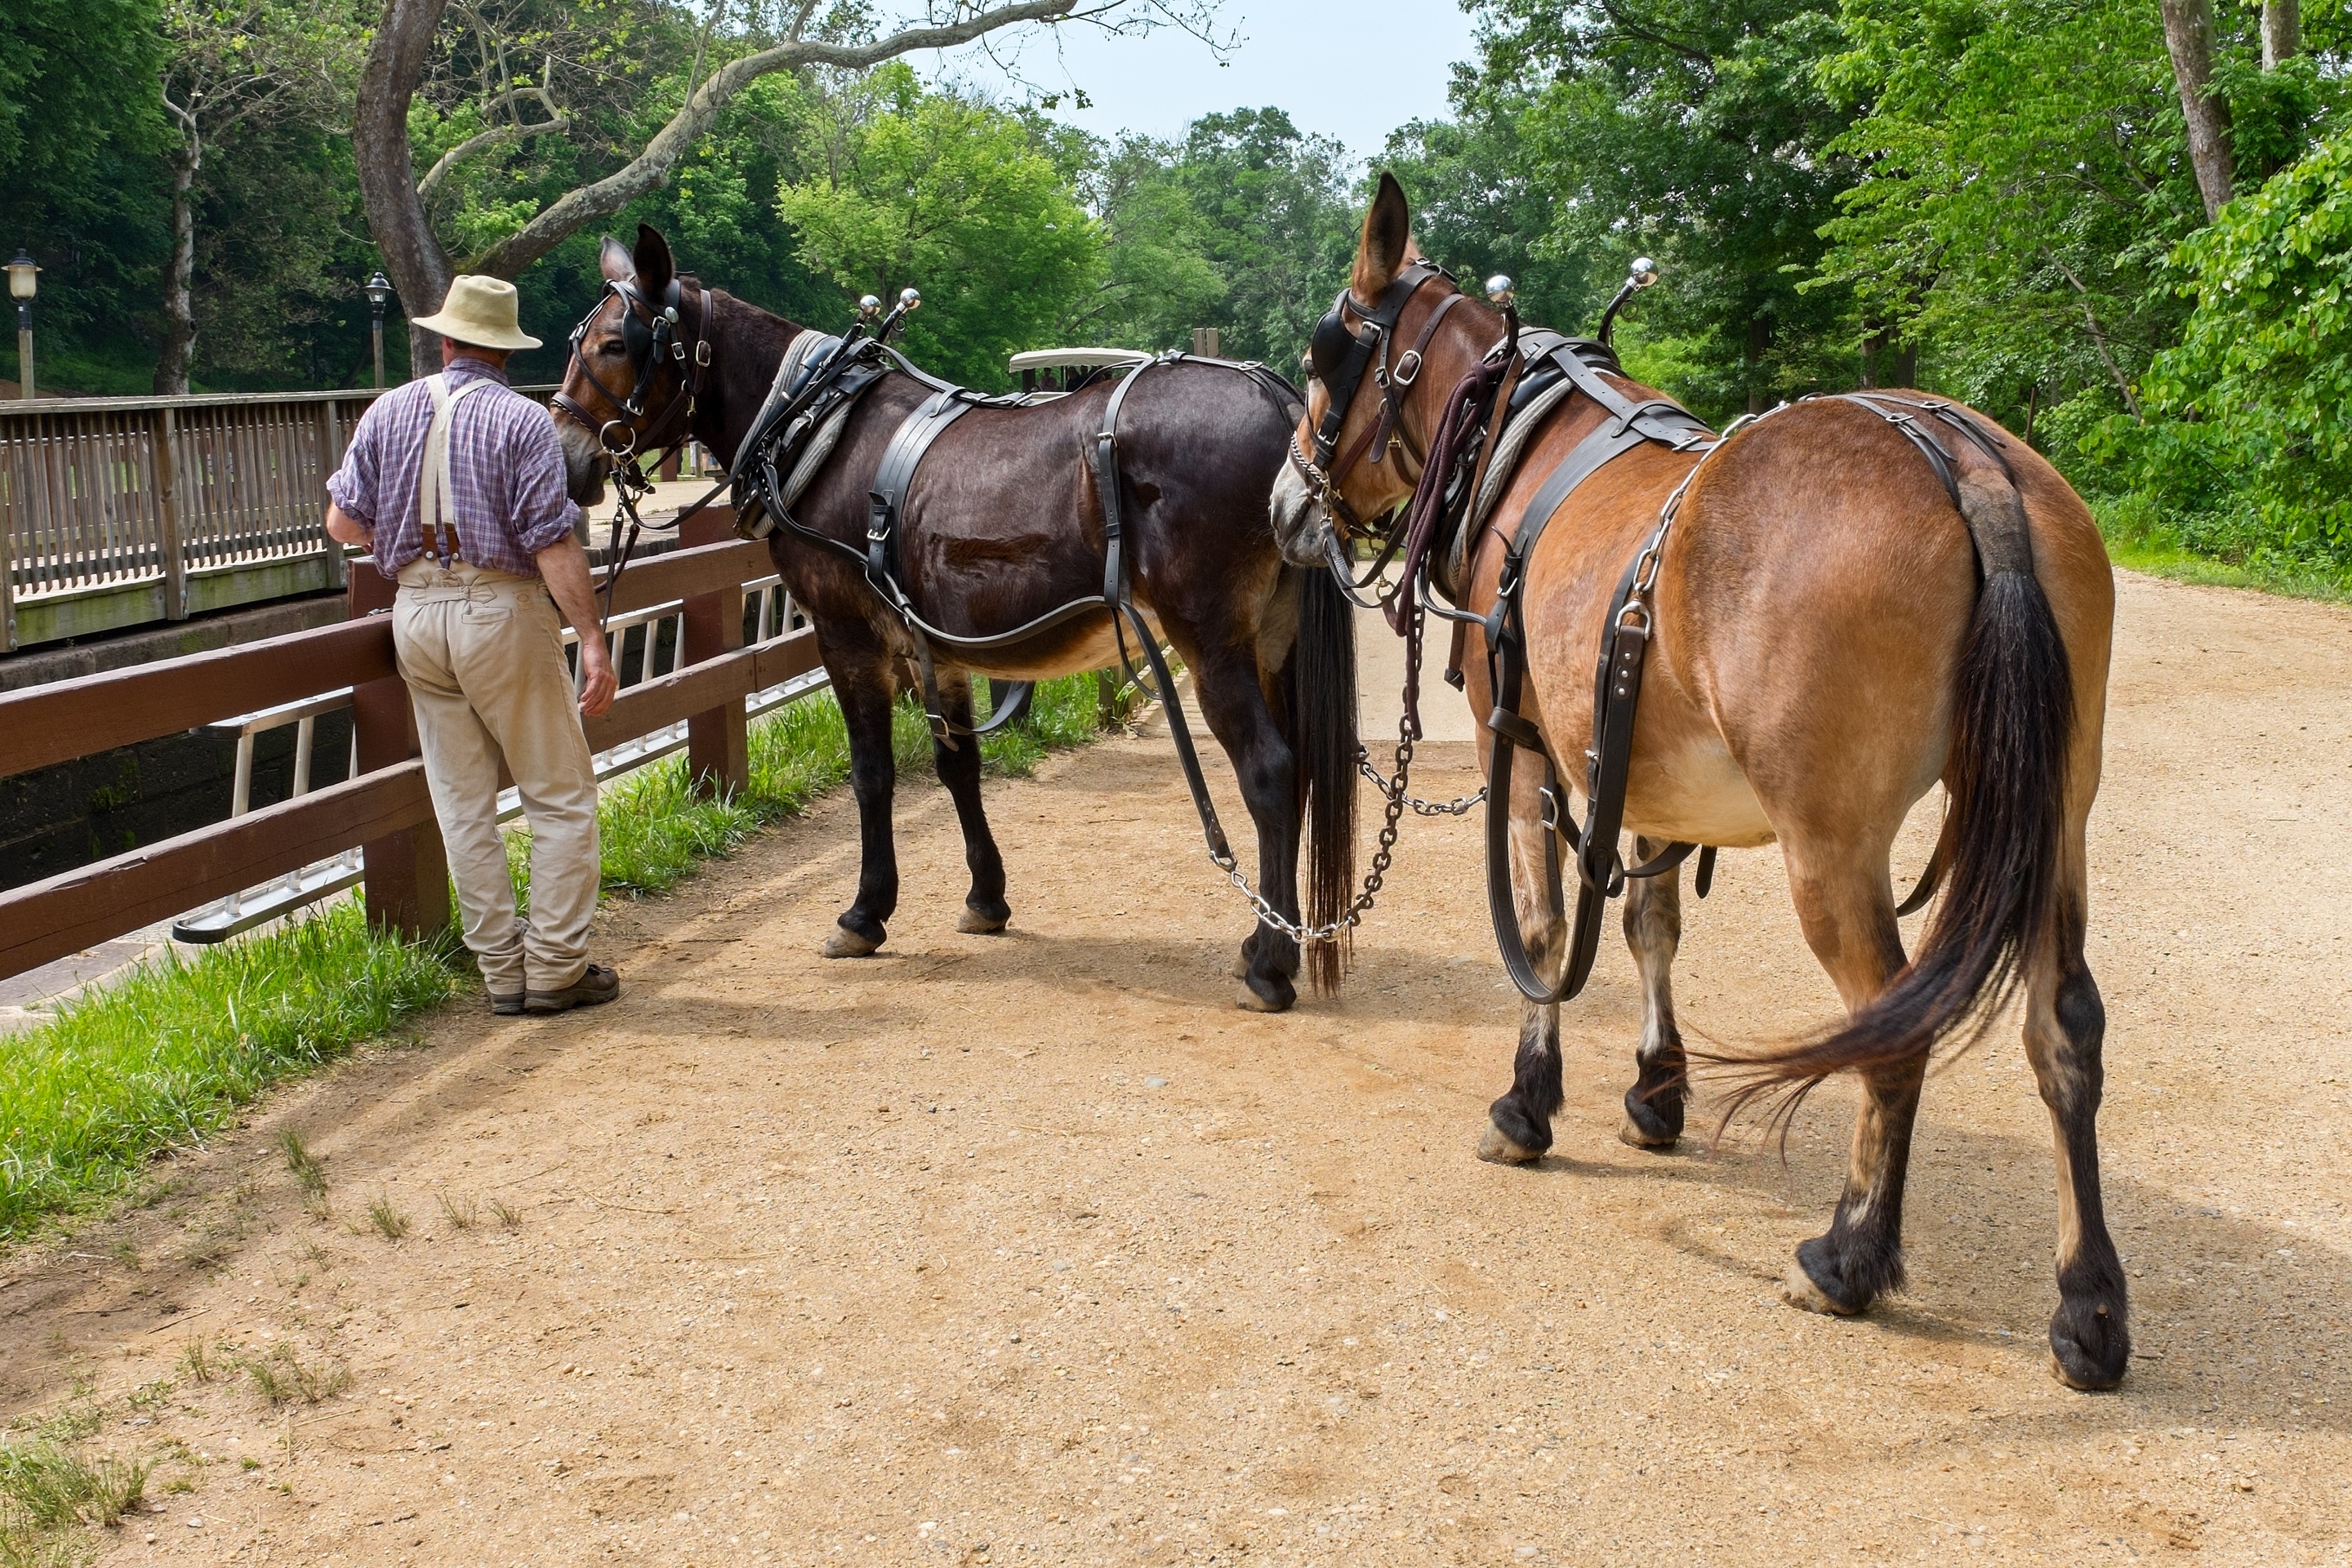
[[1314, 59]]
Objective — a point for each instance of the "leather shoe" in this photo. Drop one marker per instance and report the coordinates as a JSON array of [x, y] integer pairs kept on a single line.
[[595, 988], [507, 1006]]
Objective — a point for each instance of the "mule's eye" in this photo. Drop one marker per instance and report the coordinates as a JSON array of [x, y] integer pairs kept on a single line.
[[611, 348], [1307, 364]]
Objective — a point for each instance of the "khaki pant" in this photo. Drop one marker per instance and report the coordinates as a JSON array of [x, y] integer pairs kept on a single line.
[[482, 653]]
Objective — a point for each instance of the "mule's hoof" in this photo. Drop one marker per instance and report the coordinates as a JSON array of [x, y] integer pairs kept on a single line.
[[1252, 1000], [1805, 1290], [2089, 1346], [1630, 1131], [980, 922], [1495, 1147], [846, 944]]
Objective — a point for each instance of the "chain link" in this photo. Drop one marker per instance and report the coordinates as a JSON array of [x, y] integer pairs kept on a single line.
[[1394, 790], [1459, 805]]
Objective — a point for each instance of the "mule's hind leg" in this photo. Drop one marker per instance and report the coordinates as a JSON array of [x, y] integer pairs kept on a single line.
[[1654, 927], [1518, 1125], [2065, 1028], [861, 683], [1238, 716], [1848, 913], [984, 909]]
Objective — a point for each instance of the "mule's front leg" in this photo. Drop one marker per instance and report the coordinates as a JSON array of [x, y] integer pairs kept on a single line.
[[984, 909], [1518, 1127], [861, 683], [1654, 929]]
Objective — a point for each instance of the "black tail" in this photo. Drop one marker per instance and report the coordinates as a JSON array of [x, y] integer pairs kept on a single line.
[[1322, 681], [2007, 775]]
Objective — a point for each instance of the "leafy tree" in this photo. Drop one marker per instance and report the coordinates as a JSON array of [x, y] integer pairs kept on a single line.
[[79, 129], [1279, 224], [1693, 129], [955, 198]]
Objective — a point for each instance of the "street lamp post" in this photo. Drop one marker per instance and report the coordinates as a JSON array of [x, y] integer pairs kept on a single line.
[[24, 280], [379, 291]]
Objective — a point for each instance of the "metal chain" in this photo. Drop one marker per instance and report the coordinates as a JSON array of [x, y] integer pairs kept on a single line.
[[1460, 806], [1393, 814]]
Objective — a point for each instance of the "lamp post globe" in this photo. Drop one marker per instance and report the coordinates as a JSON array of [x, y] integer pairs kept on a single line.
[[379, 293], [23, 282]]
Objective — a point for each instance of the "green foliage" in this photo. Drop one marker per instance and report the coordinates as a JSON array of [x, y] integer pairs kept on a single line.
[[2023, 177], [955, 198], [2253, 441]]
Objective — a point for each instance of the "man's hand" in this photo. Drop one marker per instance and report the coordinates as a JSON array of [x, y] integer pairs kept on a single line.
[[597, 681], [564, 565]]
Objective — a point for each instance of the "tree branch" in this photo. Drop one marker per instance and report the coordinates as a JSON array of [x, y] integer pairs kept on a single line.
[[2099, 340], [650, 169], [496, 136]]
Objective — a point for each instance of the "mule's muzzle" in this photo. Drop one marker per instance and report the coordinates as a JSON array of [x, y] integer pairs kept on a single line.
[[1302, 530], [586, 465]]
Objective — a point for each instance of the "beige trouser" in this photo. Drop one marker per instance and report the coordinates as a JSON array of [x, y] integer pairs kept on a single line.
[[482, 652]]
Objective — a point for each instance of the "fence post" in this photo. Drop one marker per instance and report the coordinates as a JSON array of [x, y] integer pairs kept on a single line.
[[167, 515], [14, 504], [405, 876], [331, 439], [718, 743]]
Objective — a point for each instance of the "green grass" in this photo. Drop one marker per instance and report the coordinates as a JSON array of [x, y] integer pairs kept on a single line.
[[167, 1054], [48, 1490], [2140, 540]]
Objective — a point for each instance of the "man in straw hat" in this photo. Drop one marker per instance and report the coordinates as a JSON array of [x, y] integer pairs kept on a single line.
[[456, 486]]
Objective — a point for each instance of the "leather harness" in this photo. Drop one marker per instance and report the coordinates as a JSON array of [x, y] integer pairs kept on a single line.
[[853, 368], [1536, 362]]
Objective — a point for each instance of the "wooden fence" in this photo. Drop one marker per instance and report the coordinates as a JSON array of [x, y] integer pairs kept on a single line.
[[119, 511], [383, 808]]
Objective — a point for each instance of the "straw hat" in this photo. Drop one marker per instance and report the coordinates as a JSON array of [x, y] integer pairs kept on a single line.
[[481, 311]]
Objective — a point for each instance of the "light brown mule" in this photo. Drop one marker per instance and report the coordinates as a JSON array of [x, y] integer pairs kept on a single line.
[[1834, 635]]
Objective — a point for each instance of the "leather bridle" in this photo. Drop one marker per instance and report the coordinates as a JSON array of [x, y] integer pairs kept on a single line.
[[649, 337], [1338, 356]]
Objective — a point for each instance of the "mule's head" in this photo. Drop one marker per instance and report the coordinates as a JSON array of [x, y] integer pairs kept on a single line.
[[629, 385], [1344, 404]]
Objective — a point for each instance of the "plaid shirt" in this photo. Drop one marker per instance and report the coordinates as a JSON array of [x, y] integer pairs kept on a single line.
[[506, 475]]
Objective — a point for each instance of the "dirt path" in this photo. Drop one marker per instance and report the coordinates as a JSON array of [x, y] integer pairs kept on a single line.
[[1034, 1249]]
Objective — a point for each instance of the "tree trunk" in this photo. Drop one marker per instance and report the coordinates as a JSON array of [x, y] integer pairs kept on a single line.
[[2188, 34], [418, 267], [2282, 32], [179, 279]]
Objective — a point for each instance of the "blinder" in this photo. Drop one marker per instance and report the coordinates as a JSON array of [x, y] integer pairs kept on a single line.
[[648, 336]]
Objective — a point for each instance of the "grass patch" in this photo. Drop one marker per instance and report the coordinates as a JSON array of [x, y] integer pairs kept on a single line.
[[48, 1490], [2140, 539], [167, 1054]]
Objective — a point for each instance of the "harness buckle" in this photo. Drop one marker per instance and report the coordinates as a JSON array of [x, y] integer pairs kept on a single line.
[[1406, 374]]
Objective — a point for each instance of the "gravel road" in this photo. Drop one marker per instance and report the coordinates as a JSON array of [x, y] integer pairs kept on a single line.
[[1032, 1249]]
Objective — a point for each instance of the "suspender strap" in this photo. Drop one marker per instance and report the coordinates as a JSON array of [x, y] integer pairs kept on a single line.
[[436, 497]]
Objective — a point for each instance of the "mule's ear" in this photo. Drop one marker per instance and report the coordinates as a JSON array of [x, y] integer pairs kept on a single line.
[[654, 267], [613, 261], [1387, 240]]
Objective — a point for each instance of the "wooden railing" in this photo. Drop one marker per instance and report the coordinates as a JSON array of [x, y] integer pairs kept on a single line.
[[383, 809], [119, 511]]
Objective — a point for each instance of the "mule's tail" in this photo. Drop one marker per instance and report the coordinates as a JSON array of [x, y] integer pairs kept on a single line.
[[2013, 728], [1322, 693]]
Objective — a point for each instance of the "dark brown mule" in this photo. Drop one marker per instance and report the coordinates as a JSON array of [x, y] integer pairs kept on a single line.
[[1001, 525], [1826, 649]]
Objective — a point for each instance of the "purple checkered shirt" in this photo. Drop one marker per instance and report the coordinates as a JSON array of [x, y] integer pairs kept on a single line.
[[506, 475]]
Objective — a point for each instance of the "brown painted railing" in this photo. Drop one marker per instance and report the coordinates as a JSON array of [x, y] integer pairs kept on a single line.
[[383, 809], [119, 511]]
